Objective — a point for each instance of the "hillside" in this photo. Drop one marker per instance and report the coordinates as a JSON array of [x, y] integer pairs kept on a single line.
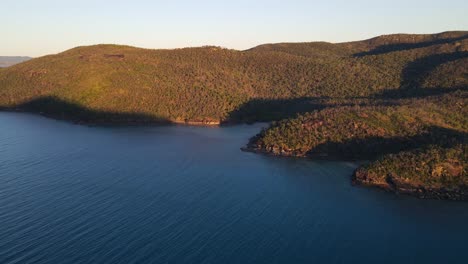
[[431, 172], [410, 143], [219, 85], [365, 130]]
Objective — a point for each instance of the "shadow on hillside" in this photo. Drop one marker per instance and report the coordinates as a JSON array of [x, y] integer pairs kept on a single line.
[[411, 87], [59, 109], [417, 93], [383, 49], [415, 73], [266, 110], [373, 147]]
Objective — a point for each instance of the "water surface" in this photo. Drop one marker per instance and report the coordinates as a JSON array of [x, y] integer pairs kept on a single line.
[[77, 194]]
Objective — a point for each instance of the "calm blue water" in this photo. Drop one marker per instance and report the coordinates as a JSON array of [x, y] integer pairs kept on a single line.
[[76, 194]]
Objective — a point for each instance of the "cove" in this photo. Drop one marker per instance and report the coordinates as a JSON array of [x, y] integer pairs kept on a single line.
[[181, 194]]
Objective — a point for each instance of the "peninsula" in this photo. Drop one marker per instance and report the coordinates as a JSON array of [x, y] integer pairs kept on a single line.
[[396, 101]]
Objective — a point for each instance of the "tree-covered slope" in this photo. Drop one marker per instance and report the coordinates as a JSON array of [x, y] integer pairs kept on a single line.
[[366, 130], [430, 172], [215, 84], [415, 146]]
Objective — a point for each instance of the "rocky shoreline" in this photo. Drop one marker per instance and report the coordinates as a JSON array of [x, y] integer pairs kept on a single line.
[[273, 151], [196, 122], [395, 185], [116, 121], [361, 177], [285, 152]]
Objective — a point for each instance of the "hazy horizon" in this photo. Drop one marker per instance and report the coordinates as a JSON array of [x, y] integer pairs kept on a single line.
[[47, 27]]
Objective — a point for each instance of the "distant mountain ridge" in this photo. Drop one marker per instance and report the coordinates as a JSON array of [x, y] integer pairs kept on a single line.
[[6, 61]]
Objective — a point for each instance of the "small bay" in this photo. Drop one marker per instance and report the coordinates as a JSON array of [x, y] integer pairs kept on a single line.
[[181, 194]]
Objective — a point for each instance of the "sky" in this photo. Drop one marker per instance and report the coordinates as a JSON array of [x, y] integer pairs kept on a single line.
[[40, 27]]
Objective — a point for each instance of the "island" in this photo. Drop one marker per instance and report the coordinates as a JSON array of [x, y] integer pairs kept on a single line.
[[395, 102]]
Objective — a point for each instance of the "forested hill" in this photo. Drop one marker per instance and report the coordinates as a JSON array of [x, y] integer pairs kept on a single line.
[[110, 83], [396, 100]]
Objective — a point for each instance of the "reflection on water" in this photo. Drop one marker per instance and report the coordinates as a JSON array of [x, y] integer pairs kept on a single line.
[[76, 194]]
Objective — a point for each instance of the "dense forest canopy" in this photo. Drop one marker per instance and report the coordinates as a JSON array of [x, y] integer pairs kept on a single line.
[[212, 83]]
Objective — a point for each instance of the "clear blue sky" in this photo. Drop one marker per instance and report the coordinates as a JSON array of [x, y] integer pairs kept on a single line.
[[39, 27]]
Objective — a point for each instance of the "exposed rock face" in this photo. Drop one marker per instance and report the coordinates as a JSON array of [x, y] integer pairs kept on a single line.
[[197, 122]]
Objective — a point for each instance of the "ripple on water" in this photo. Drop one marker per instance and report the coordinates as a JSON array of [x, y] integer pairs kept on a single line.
[[76, 194]]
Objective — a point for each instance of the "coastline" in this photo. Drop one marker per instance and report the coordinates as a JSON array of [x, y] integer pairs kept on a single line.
[[393, 185], [360, 177], [118, 122]]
